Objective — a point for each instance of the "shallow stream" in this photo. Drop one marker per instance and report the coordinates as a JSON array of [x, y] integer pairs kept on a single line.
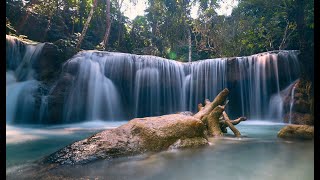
[[259, 154]]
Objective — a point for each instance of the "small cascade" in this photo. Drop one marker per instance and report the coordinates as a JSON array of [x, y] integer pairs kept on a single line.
[[291, 102], [20, 82], [276, 108], [276, 104], [19, 99], [261, 79], [43, 112]]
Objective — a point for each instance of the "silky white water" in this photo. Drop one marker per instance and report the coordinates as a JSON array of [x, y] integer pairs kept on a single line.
[[118, 85], [20, 81]]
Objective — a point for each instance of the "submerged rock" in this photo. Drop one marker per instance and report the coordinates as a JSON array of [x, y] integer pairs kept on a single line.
[[297, 131], [137, 136]]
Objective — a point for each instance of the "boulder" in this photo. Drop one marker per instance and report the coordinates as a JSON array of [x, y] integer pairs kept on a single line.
[[297, 132], [137, 136]]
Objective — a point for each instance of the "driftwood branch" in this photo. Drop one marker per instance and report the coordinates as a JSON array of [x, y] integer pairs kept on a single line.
[[233, 122], [213, 115], [231, 126], [213, 121], [219, 100]]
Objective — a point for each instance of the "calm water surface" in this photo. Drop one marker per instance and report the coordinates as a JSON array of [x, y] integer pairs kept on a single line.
[[259, 154]]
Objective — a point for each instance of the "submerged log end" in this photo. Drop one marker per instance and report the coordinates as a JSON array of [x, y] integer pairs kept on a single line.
[[231, 126]]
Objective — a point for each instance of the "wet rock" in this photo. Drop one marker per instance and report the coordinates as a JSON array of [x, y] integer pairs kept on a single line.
[[299, 118], [137, 136], [189, 142], [297, 132], [56, 99], [187, 113], [302, 106], [48, 64], [302, 109]]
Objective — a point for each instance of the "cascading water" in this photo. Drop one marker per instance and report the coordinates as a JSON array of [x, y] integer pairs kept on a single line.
[[148, 85], [276, 105], [204, 80], [291, 102], [93, 96], [114, 86], [147, 91], [20, 84]]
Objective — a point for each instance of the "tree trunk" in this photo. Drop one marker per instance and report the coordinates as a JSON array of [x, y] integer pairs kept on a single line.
[[189, 41], [47, 29], [108, 26], [119, 23], [86, 25]]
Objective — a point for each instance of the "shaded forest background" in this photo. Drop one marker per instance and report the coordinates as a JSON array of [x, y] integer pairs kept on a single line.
[[167, 28]]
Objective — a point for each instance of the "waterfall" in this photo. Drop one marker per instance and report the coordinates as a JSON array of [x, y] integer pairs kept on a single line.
[[116, 86], [262, 77], [141, 85], [276, 107], [20, 82]]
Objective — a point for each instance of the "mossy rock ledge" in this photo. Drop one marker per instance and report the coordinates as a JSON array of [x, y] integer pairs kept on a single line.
[[149, 134], [293, 131]]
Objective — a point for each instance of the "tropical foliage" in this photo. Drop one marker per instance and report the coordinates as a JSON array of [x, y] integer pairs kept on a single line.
[[167, 28]]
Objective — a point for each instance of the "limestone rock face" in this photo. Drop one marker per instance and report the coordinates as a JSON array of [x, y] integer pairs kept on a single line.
[[48, 64], [137, 136], [299, 118], [302, 109], [297, 132]]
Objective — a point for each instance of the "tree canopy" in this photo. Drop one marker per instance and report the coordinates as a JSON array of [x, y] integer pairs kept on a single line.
[[167, 28]]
